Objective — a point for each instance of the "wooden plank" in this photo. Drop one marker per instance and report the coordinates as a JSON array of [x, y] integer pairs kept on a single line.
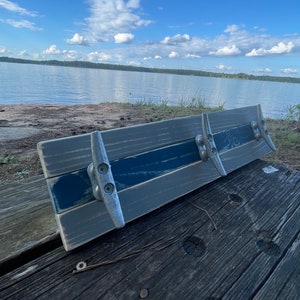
[[26, 216], [69, 154], [284, 281], [247, 205]]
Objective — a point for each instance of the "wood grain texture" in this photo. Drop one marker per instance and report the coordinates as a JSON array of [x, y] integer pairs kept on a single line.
[[248, 207], [26, 216]]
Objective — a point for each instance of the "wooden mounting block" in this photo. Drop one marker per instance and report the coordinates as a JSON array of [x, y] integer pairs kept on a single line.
[[102, 180]]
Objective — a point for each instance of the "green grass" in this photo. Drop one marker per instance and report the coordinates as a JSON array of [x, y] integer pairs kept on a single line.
[[161, 110], [8, 159], [293, 113]]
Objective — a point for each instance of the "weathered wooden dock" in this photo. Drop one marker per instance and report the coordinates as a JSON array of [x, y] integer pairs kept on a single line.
[[236, 238]]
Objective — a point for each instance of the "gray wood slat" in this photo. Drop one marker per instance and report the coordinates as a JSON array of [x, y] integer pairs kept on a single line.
[[284, 282], [65, 155], [26, 216]]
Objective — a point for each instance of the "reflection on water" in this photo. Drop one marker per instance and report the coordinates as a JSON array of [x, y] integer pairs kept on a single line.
[[38, 84]]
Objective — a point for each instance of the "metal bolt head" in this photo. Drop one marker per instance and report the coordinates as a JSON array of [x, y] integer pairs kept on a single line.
[[103, 168], [109, 188]]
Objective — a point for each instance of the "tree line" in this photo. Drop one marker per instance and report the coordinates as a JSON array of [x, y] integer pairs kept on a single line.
[[91, 65]]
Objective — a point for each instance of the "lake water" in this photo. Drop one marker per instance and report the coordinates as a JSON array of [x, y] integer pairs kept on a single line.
[[38, 84]]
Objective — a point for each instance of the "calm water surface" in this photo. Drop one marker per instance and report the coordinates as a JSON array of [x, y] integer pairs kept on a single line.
[[38, 84]]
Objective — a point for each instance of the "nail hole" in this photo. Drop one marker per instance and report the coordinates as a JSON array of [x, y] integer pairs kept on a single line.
[[194, 246], [234, 198], [81, 265], [144, 293], [268, 247]]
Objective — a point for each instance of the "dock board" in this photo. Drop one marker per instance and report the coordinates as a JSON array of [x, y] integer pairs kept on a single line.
[[235, 238]]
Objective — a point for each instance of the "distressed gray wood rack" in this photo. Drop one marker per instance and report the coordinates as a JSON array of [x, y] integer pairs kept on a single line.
[[100, 181]]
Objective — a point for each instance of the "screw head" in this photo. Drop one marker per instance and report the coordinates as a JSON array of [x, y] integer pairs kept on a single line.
[[109, 188]]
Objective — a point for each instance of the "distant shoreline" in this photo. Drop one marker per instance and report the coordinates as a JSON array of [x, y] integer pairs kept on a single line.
[[90, 65]]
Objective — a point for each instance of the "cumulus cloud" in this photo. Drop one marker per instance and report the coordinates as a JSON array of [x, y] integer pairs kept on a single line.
[[227, 50], [124, 38], [108, 18], [223, 67], [2, 49], [14, 7], [98, 56], [52, 50], [77, 40], [176, 39], [174, 54], [21, 24], [62, 54], [280, 48]]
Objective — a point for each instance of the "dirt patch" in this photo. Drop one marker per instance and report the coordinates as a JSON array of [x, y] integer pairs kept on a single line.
[[23, 126]]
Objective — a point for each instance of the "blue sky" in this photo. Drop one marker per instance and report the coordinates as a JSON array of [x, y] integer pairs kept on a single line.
[[260, 37]]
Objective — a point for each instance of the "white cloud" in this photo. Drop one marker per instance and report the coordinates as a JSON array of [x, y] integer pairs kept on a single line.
[[61, 54], [223, 67], [150, 57], [21, 24], [23, 53], [174, 54], [280, 48], [190, 55], [98, 56], [231, 28], [227, 50], [52, 50], [14, 7], [77, 40], [124, 38], [108, 18], [133, 4], [176, 39], [289, 71], [265, 70], [2, 49], [256, 52], [70, 54]]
